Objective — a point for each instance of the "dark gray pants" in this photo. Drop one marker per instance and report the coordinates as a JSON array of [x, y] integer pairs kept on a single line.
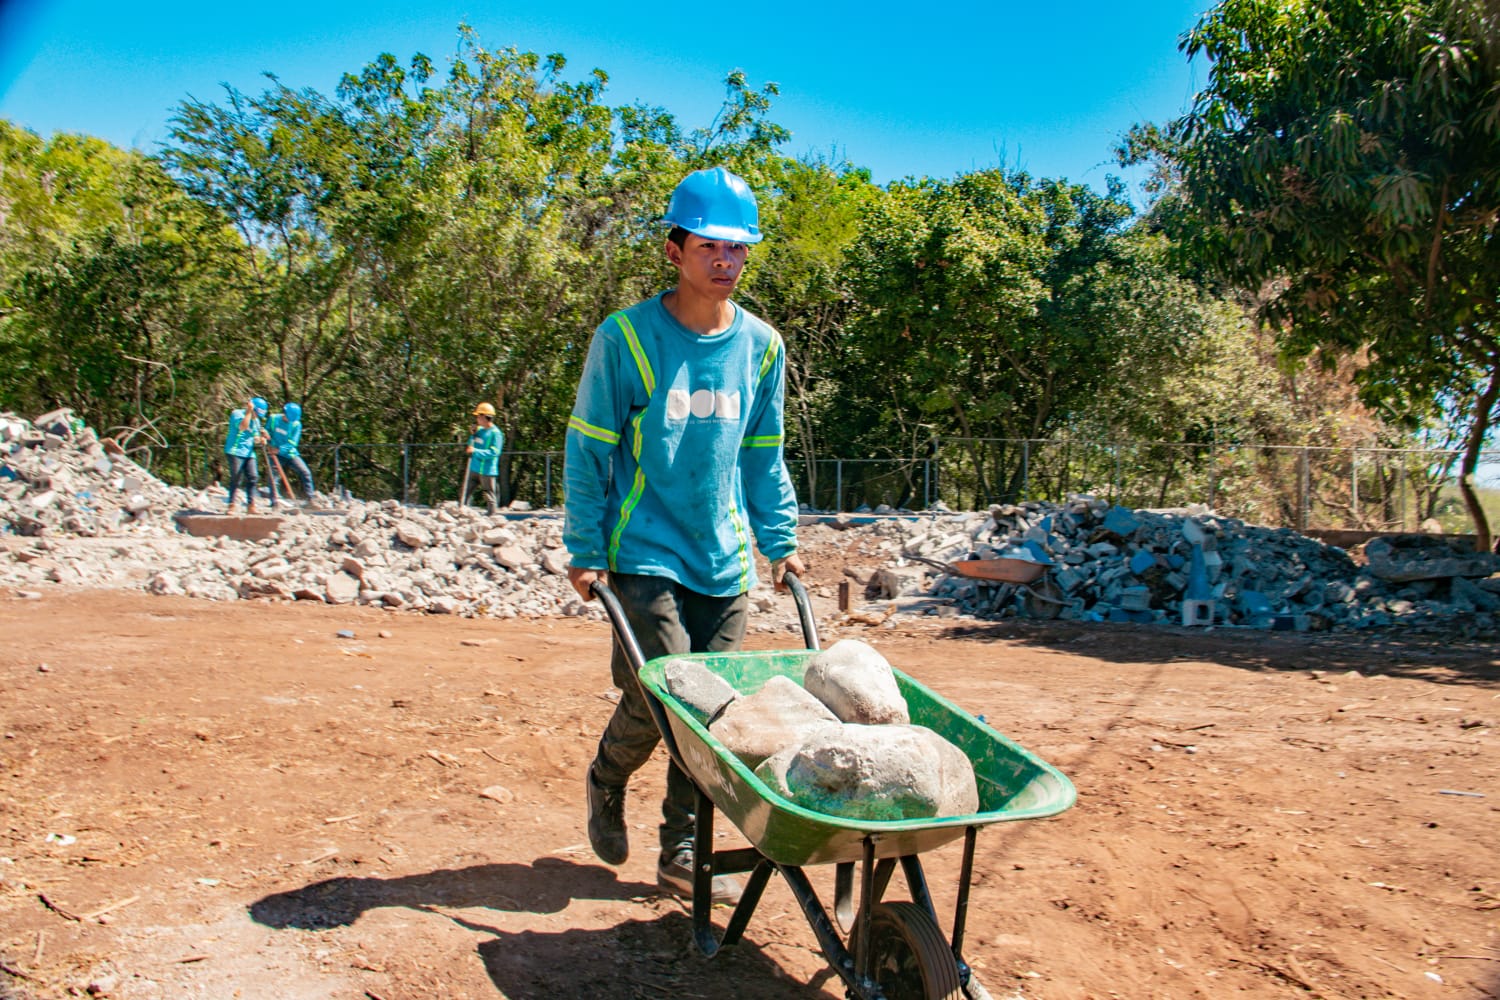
[[667, 618], [241, 473]]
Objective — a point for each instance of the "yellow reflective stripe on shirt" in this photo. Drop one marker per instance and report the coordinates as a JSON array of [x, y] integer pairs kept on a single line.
[[744, 549], [763, 441], [769, 358], [589, 430], [642, 363], [637, 488]]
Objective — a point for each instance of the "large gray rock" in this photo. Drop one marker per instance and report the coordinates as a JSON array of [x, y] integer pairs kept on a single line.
[[779, 715], [856, 683], [875, 773], [698, 688]]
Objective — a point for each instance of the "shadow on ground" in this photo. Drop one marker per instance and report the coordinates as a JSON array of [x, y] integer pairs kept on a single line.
[[634, 959], [638, 959], [547, 885], [1430, 656]]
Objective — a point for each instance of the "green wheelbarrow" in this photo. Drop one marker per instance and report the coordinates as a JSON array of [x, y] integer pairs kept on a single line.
[[882, 950]]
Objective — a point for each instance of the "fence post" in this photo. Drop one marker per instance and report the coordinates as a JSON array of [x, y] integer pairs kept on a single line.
[[1354, 483], [336, 470], [405, 462], [838, 485], [547, 479], [1304, 487], [1403, 490], [1114, 487], [1025, 469], [1213, 468]]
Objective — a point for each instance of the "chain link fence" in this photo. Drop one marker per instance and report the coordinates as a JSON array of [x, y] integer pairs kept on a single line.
[[1303, 487], [1306, 487]]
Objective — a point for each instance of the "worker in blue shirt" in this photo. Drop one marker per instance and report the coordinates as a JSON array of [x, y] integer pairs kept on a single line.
[[485, 446], [286, 439], [246, 430], [673, 464]]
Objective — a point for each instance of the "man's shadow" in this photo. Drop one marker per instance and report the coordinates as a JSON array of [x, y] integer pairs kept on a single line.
[[547, 885], [632, 959]]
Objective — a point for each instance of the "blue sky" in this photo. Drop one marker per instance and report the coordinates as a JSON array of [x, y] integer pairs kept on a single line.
[[905, 90]]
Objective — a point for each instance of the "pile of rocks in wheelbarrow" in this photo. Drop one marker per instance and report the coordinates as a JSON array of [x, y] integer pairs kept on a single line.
[[1187, 566], [840, 743]]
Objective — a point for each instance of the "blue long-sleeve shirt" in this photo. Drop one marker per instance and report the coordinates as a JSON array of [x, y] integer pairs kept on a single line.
[[241, 443], [674, 451], [487, 443], [286, 435]]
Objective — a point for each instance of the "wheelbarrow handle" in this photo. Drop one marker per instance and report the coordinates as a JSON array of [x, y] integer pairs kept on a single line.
[[804, 610]]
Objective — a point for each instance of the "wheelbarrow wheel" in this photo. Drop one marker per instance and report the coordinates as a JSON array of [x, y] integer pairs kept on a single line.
[[1044, 600], [909, 957]]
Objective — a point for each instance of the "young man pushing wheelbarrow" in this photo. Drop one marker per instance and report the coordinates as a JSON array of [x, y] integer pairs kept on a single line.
[[674, 462]]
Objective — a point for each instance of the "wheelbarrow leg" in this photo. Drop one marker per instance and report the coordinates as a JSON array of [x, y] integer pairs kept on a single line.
[[707, 863]]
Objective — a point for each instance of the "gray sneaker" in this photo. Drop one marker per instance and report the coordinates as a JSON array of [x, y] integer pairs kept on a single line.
[[675, 875], [607, 821]]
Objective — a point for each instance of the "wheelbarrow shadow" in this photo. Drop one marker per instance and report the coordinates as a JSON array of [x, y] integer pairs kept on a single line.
[[633, 959], [637, 959]]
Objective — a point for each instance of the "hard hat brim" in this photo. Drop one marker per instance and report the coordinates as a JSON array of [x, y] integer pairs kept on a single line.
[[732, 233]]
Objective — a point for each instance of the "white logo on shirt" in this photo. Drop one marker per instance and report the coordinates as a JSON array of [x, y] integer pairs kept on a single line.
[[702, 404]]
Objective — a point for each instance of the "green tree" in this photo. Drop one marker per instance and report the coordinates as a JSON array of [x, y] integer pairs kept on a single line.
[[1343, 164], [114, 289]]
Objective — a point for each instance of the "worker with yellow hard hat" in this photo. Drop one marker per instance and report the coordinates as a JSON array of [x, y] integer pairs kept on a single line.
[[485, 446]]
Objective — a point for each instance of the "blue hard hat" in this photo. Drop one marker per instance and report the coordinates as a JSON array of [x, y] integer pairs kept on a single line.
[[716, 205], [260, 406], [293, 411]]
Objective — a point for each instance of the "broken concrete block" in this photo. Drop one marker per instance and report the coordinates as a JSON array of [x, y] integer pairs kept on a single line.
[[856, 683], [512, 557], [498, 536], [1135, 598], [698, 688], [1120, 521], [556, 561], [780, 714], [898, 581], [413, 535], [341, 588]]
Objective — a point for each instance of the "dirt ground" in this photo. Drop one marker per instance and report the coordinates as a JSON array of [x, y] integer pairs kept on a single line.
[[234, 801]]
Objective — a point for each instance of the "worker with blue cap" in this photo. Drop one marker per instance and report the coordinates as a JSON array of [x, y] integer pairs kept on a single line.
[[673, 464], [246, 430], [285, 448]]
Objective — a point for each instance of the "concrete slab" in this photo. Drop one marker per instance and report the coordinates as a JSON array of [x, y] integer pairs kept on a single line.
[[246, 528]]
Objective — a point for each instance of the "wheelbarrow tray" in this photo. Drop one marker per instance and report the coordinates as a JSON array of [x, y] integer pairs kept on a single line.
[[1001, 570], [1013, 783]]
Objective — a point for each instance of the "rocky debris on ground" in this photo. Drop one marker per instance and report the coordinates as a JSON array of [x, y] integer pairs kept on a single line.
[[1110, 563], [76, 510]]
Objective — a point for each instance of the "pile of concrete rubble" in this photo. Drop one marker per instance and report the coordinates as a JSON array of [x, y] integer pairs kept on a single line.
[[1101, 562], [75, 510], [79, 512]]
